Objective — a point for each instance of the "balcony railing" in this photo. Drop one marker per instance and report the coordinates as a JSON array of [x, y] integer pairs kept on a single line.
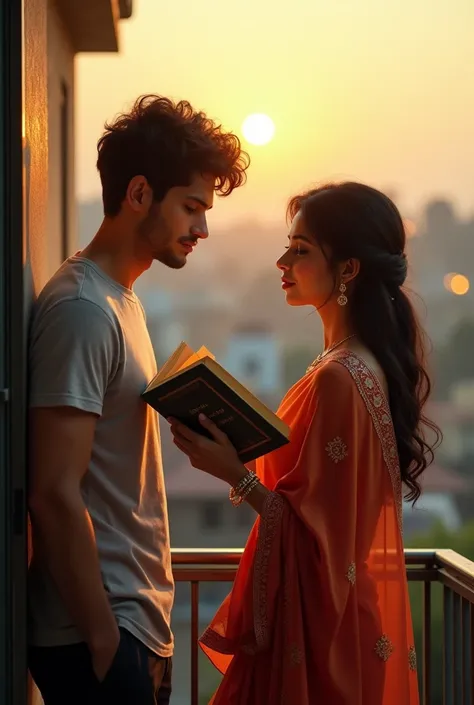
[[453, 572]]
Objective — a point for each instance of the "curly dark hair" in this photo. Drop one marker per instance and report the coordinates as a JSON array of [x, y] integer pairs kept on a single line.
[[168, 143], [351, 220]]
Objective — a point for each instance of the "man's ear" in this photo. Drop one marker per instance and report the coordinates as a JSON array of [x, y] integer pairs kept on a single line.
[[139, 195]]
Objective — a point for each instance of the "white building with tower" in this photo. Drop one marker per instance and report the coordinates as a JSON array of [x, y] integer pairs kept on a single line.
[[254, 358]]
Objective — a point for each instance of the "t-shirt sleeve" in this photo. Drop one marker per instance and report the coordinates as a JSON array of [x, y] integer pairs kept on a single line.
[[74, 354]]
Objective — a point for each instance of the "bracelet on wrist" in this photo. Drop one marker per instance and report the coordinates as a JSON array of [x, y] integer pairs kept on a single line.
[[241, 491]]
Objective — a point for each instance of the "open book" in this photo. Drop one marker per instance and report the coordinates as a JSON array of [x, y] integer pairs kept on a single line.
[[190, 383]]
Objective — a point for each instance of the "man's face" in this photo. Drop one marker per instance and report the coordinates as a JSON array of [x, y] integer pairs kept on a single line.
[[172, 228]]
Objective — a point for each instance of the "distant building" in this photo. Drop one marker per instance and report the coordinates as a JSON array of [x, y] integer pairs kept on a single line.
[[444, 246], [444, 487], [253, 357], [199, 317], [438, 504], [456, 421], [201, 514]]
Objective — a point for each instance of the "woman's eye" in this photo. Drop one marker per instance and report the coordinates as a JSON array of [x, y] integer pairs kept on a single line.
[[297, 250], [189, 209]]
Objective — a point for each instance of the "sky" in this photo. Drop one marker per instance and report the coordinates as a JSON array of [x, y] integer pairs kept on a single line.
[[380, 91]]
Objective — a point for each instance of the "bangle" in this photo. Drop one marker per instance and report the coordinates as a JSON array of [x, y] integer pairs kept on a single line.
[[238, 493], [242, 484], [245, 493]]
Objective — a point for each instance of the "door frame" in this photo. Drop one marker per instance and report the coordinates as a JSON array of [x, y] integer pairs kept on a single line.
[[13, 514]]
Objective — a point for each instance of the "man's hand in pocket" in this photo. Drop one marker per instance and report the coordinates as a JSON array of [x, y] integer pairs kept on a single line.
[[103, 652]]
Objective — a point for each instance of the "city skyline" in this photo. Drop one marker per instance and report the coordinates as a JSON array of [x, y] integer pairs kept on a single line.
[[356, 90]]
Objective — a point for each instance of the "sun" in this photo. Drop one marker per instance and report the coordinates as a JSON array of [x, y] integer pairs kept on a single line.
[[258, 129]]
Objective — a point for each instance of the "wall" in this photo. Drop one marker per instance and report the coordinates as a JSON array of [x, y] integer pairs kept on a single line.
[[35, 153], [48, 59], [35, 158], [60, 88], [35, 147]]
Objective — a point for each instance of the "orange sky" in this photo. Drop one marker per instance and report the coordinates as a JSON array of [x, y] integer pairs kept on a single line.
[[376, 90]]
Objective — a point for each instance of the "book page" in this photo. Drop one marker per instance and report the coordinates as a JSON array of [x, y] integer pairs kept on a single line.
[[204, 385], [248, 397], [195, 357], [182, 353]]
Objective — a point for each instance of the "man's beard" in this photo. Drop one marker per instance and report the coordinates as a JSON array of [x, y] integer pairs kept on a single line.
[[154, 223], [168, 258]]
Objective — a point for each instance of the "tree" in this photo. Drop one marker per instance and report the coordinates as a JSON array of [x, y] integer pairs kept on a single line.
[[462, 542]]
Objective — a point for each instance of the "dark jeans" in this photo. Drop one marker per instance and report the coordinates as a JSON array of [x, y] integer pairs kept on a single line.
[[137, 676]]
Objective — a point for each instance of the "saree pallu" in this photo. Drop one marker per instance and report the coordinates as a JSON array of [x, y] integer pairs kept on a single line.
[[319, 611]]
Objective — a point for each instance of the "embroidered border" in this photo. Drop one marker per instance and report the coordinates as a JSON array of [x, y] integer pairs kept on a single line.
[[412, 658], [270, 518], [377, 405], [215, 641]]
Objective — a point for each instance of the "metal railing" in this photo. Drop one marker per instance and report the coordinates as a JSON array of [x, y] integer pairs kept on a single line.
[[454, 572]]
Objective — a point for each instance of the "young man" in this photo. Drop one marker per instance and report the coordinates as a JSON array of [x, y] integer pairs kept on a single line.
[[100, 584]]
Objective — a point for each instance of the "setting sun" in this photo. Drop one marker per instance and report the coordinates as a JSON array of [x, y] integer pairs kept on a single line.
[[258, 129]]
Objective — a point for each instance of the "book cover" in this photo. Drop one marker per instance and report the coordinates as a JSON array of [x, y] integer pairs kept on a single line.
[[199, 388]]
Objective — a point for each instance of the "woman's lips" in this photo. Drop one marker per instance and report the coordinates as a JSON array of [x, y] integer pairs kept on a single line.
[[286, 284]]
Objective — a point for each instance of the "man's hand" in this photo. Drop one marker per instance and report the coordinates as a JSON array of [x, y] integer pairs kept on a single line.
[[61, 441], [104, 652]]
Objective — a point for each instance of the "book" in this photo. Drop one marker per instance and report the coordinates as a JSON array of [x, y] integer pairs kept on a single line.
[[190, 383]]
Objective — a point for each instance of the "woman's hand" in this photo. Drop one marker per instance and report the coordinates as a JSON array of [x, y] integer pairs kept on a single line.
[[217, 457]]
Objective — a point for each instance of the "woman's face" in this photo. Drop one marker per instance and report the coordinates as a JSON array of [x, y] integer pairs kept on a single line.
[[306, 276]]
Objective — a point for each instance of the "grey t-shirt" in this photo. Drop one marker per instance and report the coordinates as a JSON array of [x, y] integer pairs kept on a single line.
[[90, 349]]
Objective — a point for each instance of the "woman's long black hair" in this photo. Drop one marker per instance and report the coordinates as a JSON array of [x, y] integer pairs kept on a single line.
[[351, 220]]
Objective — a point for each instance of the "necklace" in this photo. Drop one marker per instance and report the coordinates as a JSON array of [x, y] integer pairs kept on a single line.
[[323, 354]]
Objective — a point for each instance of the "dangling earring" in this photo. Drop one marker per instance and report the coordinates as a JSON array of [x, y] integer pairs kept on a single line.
[[342, 298]]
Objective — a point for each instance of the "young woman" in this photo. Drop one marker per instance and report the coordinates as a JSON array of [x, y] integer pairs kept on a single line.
[[319, 611]]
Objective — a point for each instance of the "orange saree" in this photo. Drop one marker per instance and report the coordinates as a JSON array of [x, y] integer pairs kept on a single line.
[[319, 611]]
